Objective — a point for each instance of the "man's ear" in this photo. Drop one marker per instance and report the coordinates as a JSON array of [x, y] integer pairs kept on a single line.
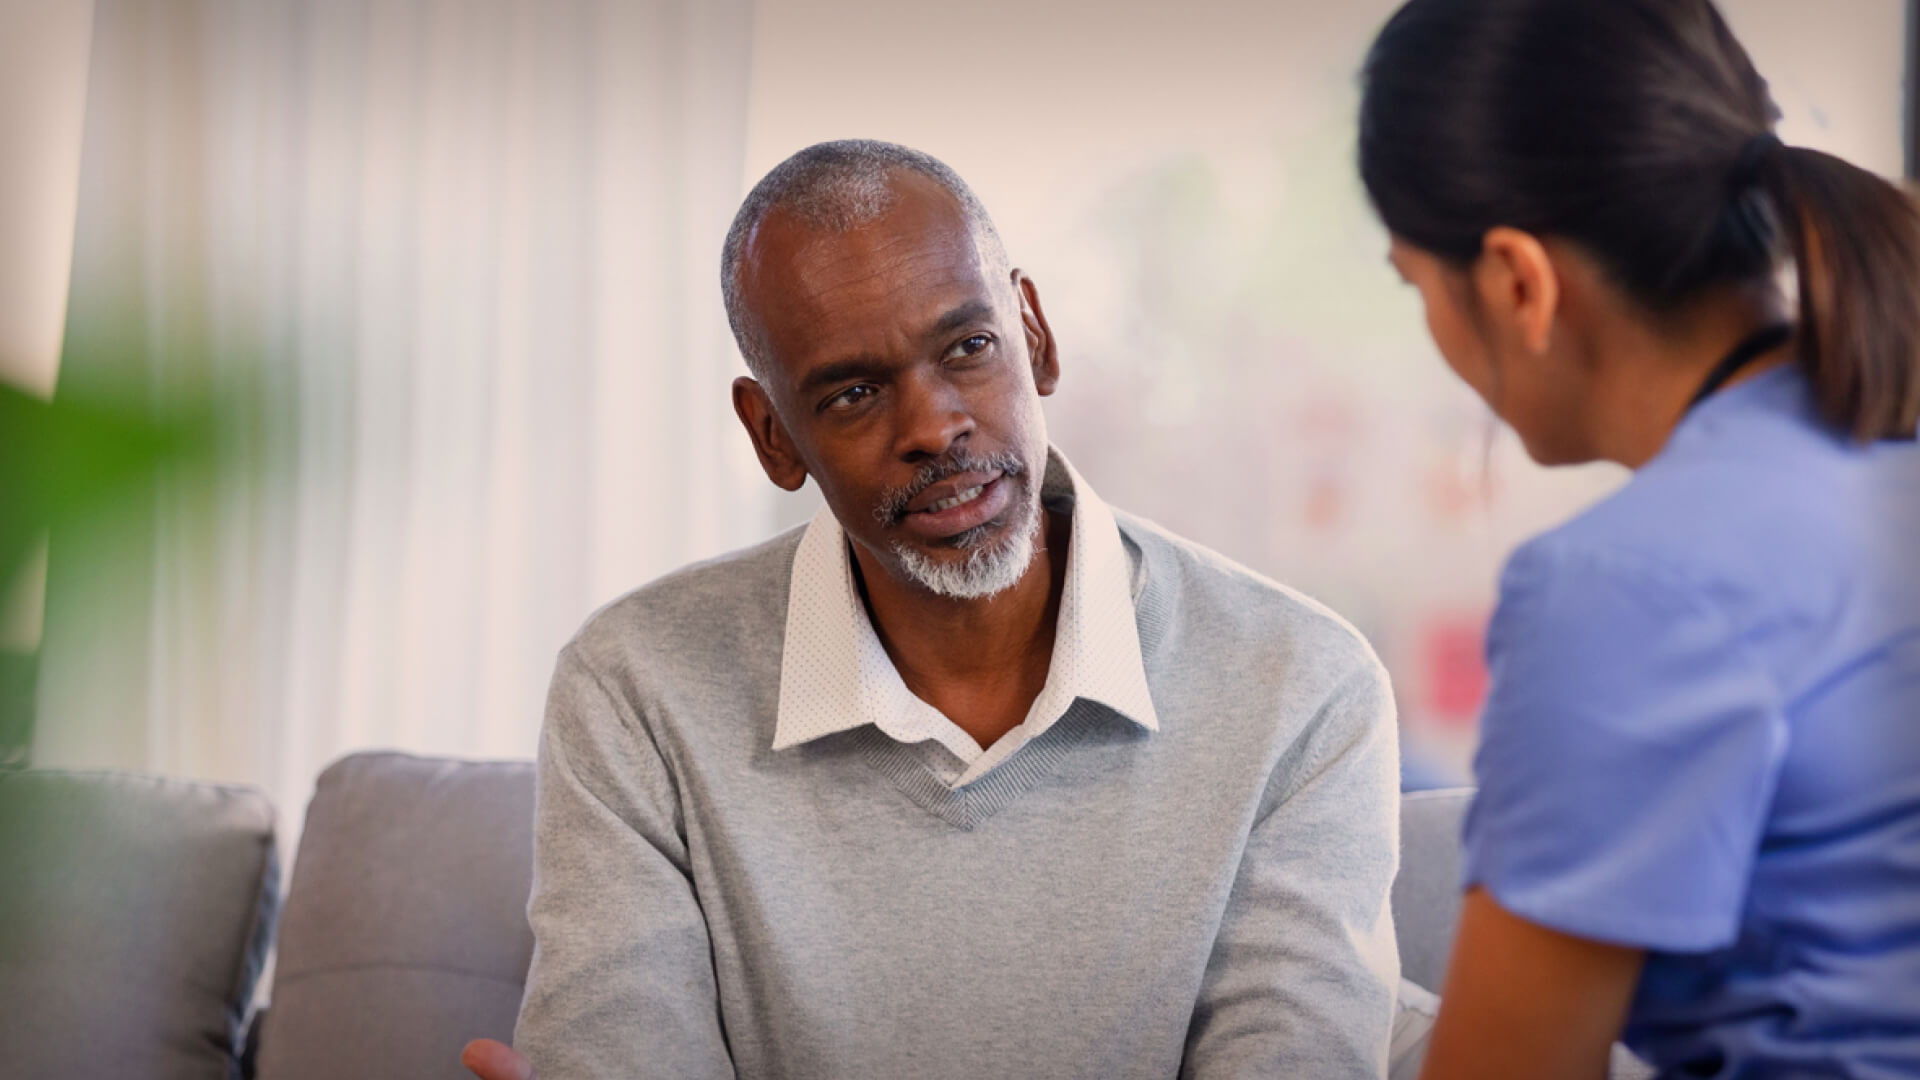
[[770, 439], [1042, 352], [1517, 283]]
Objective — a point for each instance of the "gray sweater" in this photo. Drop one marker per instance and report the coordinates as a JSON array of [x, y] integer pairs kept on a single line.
[[1208, 900]]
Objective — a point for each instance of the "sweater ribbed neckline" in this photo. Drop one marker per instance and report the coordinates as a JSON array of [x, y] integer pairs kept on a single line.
[[967, 807]]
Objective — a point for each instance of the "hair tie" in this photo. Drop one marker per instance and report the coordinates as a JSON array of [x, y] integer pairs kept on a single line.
[[1755, 154]]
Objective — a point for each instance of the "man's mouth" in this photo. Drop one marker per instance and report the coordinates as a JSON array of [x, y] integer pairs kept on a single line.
[[961, 499], [952, 496], [953, 490], [980, 502]]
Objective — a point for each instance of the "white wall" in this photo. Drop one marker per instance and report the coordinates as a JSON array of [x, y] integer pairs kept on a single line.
[[1838, 71], [1240, 362], [1037, 102], [43, 83]]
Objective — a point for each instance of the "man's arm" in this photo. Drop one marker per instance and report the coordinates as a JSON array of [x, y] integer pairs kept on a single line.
[[622, 981], [1304, 969]]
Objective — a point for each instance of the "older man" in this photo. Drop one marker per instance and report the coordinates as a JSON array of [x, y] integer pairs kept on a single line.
[[972, 776]]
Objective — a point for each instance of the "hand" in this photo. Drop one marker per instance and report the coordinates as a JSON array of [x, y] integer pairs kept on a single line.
[[491, 1060]]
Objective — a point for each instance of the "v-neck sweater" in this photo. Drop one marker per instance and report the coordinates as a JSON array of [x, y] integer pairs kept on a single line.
[[1205, 900]]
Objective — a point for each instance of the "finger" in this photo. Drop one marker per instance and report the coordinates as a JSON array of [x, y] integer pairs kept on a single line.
[[489, 1059]]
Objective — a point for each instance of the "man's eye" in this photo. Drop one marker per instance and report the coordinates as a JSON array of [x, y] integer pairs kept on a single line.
[[848, 398], [970, 346]]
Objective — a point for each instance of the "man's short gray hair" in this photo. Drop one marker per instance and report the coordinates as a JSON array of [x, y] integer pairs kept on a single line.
[[836, 186]]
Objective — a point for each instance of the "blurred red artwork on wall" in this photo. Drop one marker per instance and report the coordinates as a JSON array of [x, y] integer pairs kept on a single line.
[[1454, 669]]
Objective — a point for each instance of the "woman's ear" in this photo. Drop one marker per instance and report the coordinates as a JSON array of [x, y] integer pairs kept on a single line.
[[1518, 286]]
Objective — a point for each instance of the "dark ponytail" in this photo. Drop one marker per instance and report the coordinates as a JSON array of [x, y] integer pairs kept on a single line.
[[1856, 245], [1640, 130]]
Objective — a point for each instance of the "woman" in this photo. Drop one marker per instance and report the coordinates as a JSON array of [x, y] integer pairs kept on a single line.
[[1699, 810]]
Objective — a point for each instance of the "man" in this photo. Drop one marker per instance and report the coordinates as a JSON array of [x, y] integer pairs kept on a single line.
[[973, 776]]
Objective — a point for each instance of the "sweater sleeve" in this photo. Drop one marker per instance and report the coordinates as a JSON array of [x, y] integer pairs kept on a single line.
[[622, 982], [1303, 972]]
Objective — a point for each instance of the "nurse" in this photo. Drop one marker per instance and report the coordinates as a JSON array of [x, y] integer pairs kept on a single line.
[[1698, 824]]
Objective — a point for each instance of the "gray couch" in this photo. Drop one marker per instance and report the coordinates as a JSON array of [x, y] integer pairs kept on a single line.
[[135, 915], [402, 936]]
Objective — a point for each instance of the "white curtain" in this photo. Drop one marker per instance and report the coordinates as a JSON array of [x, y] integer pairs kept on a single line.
[[452, 267]]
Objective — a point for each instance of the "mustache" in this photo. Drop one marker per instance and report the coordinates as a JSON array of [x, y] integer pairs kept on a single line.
[[891, 508]]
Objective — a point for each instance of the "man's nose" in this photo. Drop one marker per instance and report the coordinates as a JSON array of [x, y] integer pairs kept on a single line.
[[933, 417]]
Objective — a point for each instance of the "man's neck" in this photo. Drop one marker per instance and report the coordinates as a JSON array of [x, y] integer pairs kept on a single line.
[[980, 662]]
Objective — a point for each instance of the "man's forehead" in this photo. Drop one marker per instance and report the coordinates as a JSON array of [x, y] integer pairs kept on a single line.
[[920, 235], [909, 265]]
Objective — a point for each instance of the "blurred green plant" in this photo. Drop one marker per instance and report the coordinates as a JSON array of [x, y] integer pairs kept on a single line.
[[82, 470], [65, 463]]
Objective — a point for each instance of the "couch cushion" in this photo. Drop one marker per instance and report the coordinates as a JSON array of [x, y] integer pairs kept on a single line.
[[135, 914], [1426, 895], [405, 930]]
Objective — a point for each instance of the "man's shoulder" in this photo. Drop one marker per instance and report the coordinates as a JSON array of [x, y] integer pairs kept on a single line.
[[700, 611], [1218, 604], [1253, 664]]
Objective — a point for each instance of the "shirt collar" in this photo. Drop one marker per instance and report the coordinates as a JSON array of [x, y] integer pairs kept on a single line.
[[831, 679]]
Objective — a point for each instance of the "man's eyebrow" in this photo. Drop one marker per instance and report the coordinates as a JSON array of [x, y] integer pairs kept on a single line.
[[857, 368], [971, 311], [853, 368]]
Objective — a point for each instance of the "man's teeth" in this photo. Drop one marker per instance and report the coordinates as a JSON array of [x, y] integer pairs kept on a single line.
[[961, 499]]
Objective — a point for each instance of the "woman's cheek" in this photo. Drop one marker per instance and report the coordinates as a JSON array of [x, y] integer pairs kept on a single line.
[[1455, 344]]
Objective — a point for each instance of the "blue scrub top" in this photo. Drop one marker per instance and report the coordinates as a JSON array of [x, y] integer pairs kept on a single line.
[[1703, 738]]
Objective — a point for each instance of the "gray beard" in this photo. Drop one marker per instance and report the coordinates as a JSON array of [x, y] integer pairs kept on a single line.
[[990, 568]]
